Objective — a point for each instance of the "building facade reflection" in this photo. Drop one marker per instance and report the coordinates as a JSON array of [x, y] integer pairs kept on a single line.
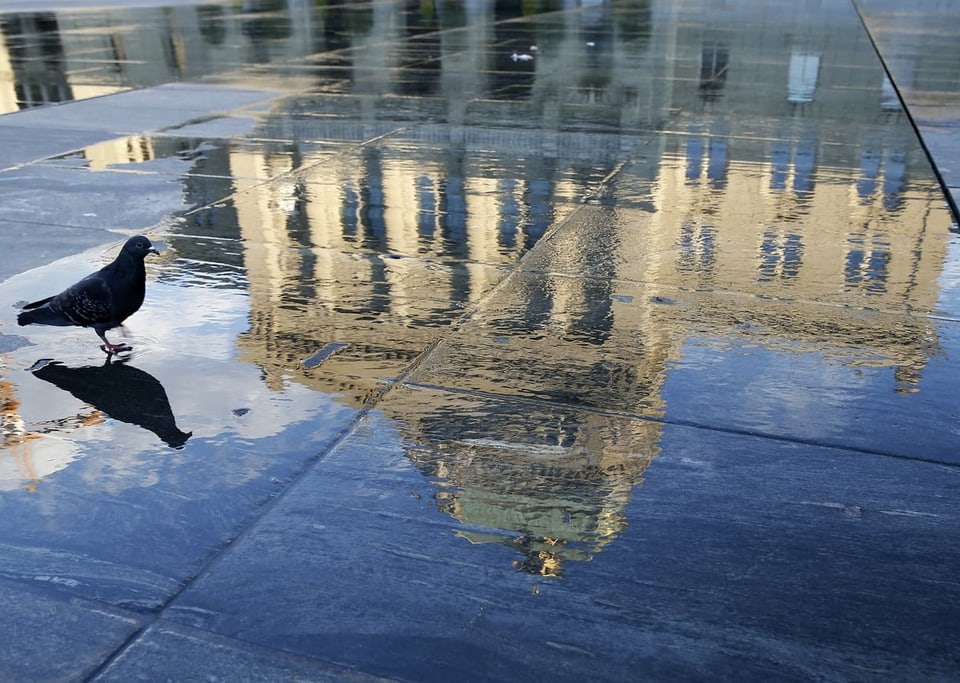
[[550, 483], [393, 194]]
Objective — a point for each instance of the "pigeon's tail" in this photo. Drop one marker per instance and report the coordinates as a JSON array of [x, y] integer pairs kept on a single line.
[[39, 314], [37, 304]]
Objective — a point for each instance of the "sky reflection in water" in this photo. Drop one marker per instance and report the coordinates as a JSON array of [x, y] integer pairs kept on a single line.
[[695, 226]]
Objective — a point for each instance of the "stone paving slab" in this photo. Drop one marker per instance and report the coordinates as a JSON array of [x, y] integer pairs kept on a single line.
[[30, 245], [139, 110], [817, 572], [53, 638], [34, 134], [20, 144], [185, 654]]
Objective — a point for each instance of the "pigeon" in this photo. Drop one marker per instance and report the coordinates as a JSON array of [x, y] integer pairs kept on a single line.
[[102, 300]]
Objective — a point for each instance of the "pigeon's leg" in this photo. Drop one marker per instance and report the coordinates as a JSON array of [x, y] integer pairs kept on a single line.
[[111, 348]]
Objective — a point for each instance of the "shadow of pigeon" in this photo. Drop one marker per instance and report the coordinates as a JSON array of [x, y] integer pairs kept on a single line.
[[121, 391]]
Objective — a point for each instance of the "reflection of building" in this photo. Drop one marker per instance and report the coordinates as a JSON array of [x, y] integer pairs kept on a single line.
[[379, 251], [780, 175], [441, 194], [64, 55], [380, 248], [551, 502], [32, 51], [835, 245], [723, 206], [551, 483], [16, 466], [23, 463]]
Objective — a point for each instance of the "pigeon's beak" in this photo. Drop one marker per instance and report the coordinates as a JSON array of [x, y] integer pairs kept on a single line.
[[153, 250]]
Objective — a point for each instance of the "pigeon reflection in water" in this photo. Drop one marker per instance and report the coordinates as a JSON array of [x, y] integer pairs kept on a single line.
[[122, 391]]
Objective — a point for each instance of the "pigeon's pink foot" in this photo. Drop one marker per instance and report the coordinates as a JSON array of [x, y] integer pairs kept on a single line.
[[111, 349]]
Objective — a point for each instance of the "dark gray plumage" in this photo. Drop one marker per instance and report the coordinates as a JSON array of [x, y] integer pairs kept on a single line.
[[102, 300]]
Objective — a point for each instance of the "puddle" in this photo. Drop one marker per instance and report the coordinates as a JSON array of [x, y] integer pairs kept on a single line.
[[558, 256]]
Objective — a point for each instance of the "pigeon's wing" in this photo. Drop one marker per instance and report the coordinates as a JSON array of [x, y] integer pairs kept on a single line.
[[88, 302]]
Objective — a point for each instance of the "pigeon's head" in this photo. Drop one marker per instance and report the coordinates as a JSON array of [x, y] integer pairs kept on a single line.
[[139, 246]]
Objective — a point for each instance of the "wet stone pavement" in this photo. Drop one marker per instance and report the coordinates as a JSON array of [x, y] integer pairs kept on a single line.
[[489, 341]]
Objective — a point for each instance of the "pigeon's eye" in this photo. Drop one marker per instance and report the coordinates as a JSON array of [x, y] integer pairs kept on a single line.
[[139, 245]]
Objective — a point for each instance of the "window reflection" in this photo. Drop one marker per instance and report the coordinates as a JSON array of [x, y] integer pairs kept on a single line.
[[867, 263], [781, 255], [714, 62], [803, 76]]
